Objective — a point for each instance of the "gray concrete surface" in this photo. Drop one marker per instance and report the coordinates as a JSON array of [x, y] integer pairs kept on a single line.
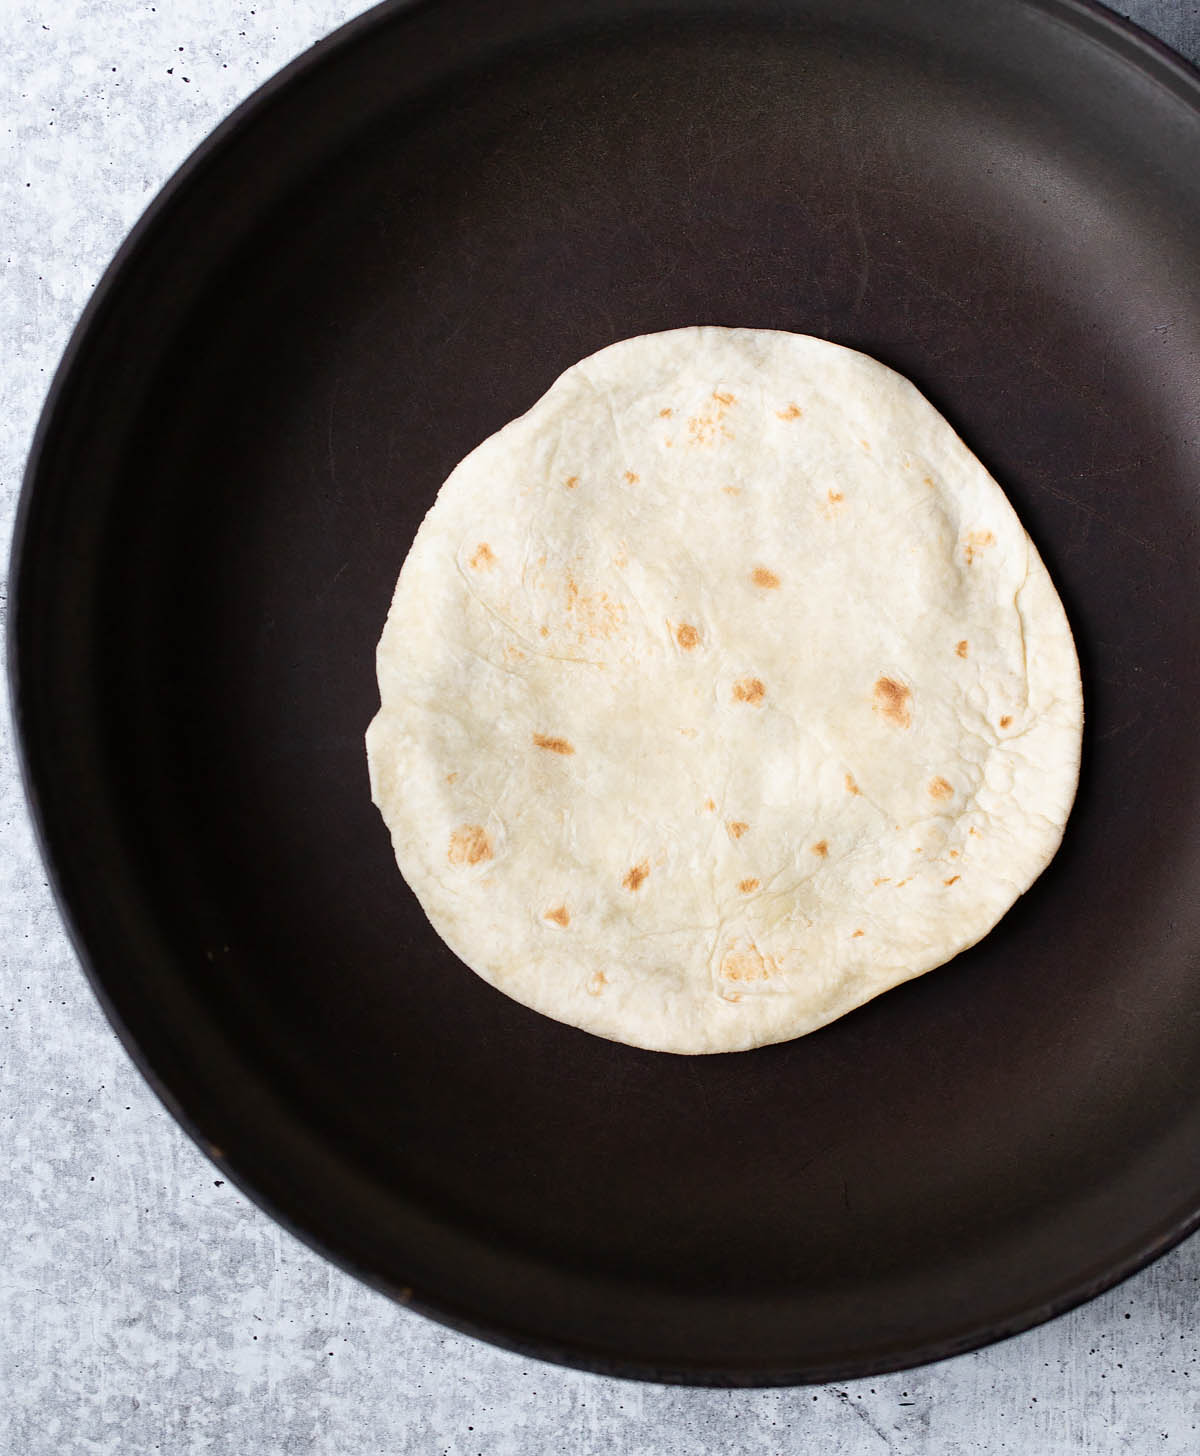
[[145, 1305]]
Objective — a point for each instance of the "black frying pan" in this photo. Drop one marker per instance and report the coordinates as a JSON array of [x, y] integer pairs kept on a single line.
[[390, 251]]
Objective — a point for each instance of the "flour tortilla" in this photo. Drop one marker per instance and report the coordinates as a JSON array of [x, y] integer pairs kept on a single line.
[[721, 692]]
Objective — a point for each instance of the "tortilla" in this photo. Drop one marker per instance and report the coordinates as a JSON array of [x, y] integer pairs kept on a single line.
[[721, 692]]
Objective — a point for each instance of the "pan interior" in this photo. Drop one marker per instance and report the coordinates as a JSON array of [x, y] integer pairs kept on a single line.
[[390, 257]]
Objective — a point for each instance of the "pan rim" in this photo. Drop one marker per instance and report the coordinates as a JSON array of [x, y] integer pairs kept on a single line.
[[1124, 38]]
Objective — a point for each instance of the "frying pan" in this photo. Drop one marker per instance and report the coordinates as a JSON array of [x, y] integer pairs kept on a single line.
[[387, 253]]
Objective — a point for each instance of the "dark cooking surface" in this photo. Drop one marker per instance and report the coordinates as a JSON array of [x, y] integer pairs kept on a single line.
[[388, 259]]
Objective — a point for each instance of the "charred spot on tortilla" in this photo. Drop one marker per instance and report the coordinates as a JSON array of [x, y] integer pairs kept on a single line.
[[894, 701], [469, 845], [553, 745], [750, 690], [637, 876]]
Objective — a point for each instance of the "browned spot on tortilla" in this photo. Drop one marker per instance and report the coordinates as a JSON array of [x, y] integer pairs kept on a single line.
[[952, 880], [793, 412], [732, 489], [954, 854], [553, 745], [513, 654], [961, 649], [687, 636], [940, 789], [592, 616], [631, 477], [748, 887], [732, 996], [762, 576], [866, 446], [973, 830], [451, 777], [857, 933], [708, 427], [900, 884], [735, 828], [634, 879], [851, 786], [545, 631], [1005, 721], [976, 541], [559, 915], [831, 506], [747, 965], [749, 690], [893, 700], [927, 480], [665, 414], [484, 556], [572, 481], [469, 844], [821, 847], [883, 880], [710, 805], [597, 984]]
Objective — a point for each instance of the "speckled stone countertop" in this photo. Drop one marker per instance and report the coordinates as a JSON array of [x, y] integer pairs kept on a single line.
[[145, 1305]]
